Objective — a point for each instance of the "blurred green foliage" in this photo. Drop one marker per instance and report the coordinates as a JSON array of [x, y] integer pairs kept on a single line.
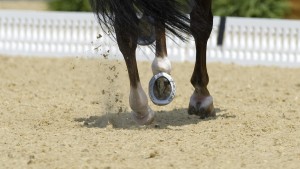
[[251, 8], [69, 5], [242, 8]]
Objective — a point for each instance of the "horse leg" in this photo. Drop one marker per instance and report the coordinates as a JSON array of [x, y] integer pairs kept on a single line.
[[161, 63], [127, 42], [201, 102]]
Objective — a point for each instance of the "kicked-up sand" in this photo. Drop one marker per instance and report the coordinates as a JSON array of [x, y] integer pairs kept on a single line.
[[74, 113]]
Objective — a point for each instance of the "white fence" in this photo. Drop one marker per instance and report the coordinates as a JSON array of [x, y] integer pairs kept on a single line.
[[56, 34]]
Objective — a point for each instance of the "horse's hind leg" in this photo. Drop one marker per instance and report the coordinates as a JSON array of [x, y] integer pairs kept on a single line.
[[127, 42], [201, 102]]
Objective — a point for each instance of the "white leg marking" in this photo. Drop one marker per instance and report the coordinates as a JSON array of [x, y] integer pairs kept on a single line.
[[138, 99], [205, 101], [161, 64], [139, 104]]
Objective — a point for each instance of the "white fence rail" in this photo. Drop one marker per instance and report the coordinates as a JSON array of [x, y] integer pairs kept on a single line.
[[56, 34]]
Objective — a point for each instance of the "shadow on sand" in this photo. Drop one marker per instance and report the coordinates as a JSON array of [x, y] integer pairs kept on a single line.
[[163, 120]]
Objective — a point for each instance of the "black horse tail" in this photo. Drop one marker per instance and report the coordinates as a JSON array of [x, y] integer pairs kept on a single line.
[[167, 11]]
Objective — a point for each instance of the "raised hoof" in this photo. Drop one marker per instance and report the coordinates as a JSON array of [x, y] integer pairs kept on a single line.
[[162, 89], [203, 107], [144, 119]]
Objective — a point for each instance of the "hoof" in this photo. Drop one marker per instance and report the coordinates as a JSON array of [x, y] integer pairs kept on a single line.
[[162, 89], [144, 118], [202, 107]]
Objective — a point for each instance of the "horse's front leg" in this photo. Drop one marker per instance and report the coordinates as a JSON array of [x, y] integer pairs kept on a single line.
[[127, 42], [163, 88], [161, 63], [201, 102]]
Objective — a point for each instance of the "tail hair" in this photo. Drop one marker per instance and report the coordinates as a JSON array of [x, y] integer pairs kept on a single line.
[[167, 11]]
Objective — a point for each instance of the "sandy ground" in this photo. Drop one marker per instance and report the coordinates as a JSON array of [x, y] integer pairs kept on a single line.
[[55, 113], [23, 5]]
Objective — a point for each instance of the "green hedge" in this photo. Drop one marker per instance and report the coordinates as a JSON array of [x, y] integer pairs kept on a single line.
[[69, 5], [251, 8], [242, 8]]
